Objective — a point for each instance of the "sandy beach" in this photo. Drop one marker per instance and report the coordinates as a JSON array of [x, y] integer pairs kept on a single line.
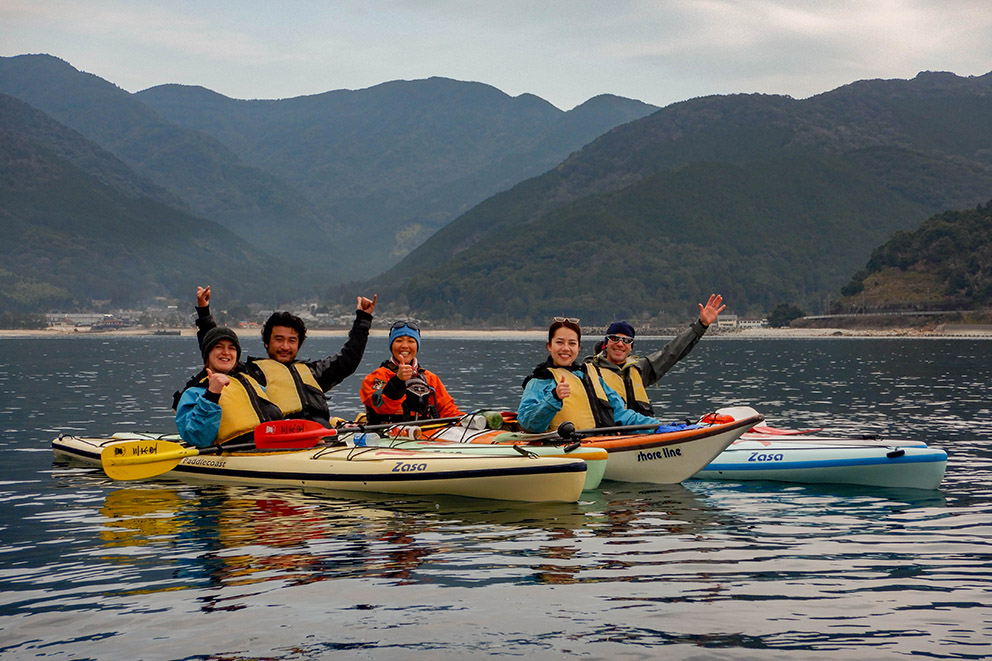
[[975, 331]]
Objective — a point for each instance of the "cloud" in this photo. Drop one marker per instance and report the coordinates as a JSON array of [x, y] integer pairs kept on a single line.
[[659, 51]]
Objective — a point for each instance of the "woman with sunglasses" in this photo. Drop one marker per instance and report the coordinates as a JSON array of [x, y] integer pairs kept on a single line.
[[560, 390], [400, 389], [631, 375]]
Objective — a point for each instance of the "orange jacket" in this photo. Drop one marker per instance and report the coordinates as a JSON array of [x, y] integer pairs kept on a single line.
[[386, 399]]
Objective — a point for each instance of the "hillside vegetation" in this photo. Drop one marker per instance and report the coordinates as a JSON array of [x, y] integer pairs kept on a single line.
[[765, 199], [945, 264]]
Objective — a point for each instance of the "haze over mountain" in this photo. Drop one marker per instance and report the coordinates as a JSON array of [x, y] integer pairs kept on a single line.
[[765, 199], [79, 225], [335, 182]]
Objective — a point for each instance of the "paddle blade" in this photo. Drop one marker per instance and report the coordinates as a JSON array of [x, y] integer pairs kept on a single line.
[[290, 434], [137, 460]]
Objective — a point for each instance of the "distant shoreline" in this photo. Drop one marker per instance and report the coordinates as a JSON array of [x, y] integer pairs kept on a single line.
[[948, 331]]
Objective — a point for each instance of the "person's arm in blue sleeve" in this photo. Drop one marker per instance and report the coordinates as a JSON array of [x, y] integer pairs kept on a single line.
[[538, 405], [623, 415], [198, 417]]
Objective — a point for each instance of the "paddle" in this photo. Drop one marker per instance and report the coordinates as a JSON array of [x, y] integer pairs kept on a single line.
[[136, 460], [566, 431], [300, 434]]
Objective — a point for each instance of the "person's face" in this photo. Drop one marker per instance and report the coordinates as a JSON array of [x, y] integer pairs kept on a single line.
[[404, 349], [616, 349], [564, 347], [284, 343], [222, 356]]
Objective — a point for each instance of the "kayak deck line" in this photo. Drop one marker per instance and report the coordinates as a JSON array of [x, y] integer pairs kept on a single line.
[[347, 468], [828, 463]]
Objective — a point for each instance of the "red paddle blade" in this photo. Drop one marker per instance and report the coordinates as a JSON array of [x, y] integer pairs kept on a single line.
[[290, 434]]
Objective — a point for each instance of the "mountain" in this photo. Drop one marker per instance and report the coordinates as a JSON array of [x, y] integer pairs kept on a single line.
[[764, 197], [211, 180], [945, 264], [401, 159], [79, 225], [343, 183]]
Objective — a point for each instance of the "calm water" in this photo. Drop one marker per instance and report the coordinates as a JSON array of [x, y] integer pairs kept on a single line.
[[90, 568]]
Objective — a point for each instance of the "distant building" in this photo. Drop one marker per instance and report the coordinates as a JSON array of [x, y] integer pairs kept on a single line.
[[727, 322], [751, 323]]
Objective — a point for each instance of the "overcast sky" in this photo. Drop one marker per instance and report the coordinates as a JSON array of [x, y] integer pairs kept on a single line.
[[565, 51]]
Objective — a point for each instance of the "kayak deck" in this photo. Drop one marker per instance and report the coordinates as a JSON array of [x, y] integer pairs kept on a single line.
[[381, 470], [792, 456]]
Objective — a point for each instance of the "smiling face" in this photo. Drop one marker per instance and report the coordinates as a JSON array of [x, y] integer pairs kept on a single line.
[[564, 347], [284, 343], [222, 356], [404, 350], [616, 350]]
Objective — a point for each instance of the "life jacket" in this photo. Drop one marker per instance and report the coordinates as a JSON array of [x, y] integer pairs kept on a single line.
[[588, 406], [627, 381], [243, 406], [420, 398], [294, 389]]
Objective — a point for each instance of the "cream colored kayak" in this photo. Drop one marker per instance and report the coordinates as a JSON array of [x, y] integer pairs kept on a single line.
[[458, 439], [380, 470]]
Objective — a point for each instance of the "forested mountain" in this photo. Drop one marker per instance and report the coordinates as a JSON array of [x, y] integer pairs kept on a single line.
[[344, 182], [79, 225], [401, 159], [764, 198], [945, 264], [210, 178]]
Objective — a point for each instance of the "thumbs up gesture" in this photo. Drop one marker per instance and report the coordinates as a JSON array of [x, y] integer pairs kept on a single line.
[[216, 380], [403, 370], [563, 389]]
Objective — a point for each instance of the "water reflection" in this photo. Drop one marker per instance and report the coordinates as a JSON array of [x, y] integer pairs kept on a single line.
[[226, 537]]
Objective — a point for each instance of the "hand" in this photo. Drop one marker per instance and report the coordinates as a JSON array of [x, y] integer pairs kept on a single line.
[[216, 381], [203, 296], [404, 371], [563, 389], [713, 308], [365, 305]]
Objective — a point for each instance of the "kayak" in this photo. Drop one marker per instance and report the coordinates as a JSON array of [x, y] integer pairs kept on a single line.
[[639, 455], [349, 468], [769, 453], [458, 439]]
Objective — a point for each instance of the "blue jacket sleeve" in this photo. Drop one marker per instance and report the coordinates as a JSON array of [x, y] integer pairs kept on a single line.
[[198, 418], [538, 405], [623, 415]]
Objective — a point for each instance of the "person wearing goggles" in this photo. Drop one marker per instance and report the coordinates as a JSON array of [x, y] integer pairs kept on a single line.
[[400, 389], [631, 375], [561, 389]]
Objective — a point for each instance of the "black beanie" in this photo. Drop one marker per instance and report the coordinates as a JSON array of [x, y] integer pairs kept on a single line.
[[215, 335]]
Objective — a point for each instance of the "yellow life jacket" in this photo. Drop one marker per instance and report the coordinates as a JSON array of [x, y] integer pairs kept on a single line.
[[587, 407], [243, 406], [627, 381], [285, 384]]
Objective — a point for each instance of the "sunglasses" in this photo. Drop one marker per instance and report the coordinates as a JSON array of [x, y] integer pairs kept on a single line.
[[404, 324], [561, 320], [620, 338]]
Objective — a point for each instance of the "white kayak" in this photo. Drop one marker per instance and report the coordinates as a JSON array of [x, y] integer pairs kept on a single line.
[[344, 468], [768, 453], [639, 455]]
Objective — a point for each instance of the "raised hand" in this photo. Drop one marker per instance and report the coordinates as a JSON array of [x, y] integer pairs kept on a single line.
[[203, 296], [365, 305], [712, 309]]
